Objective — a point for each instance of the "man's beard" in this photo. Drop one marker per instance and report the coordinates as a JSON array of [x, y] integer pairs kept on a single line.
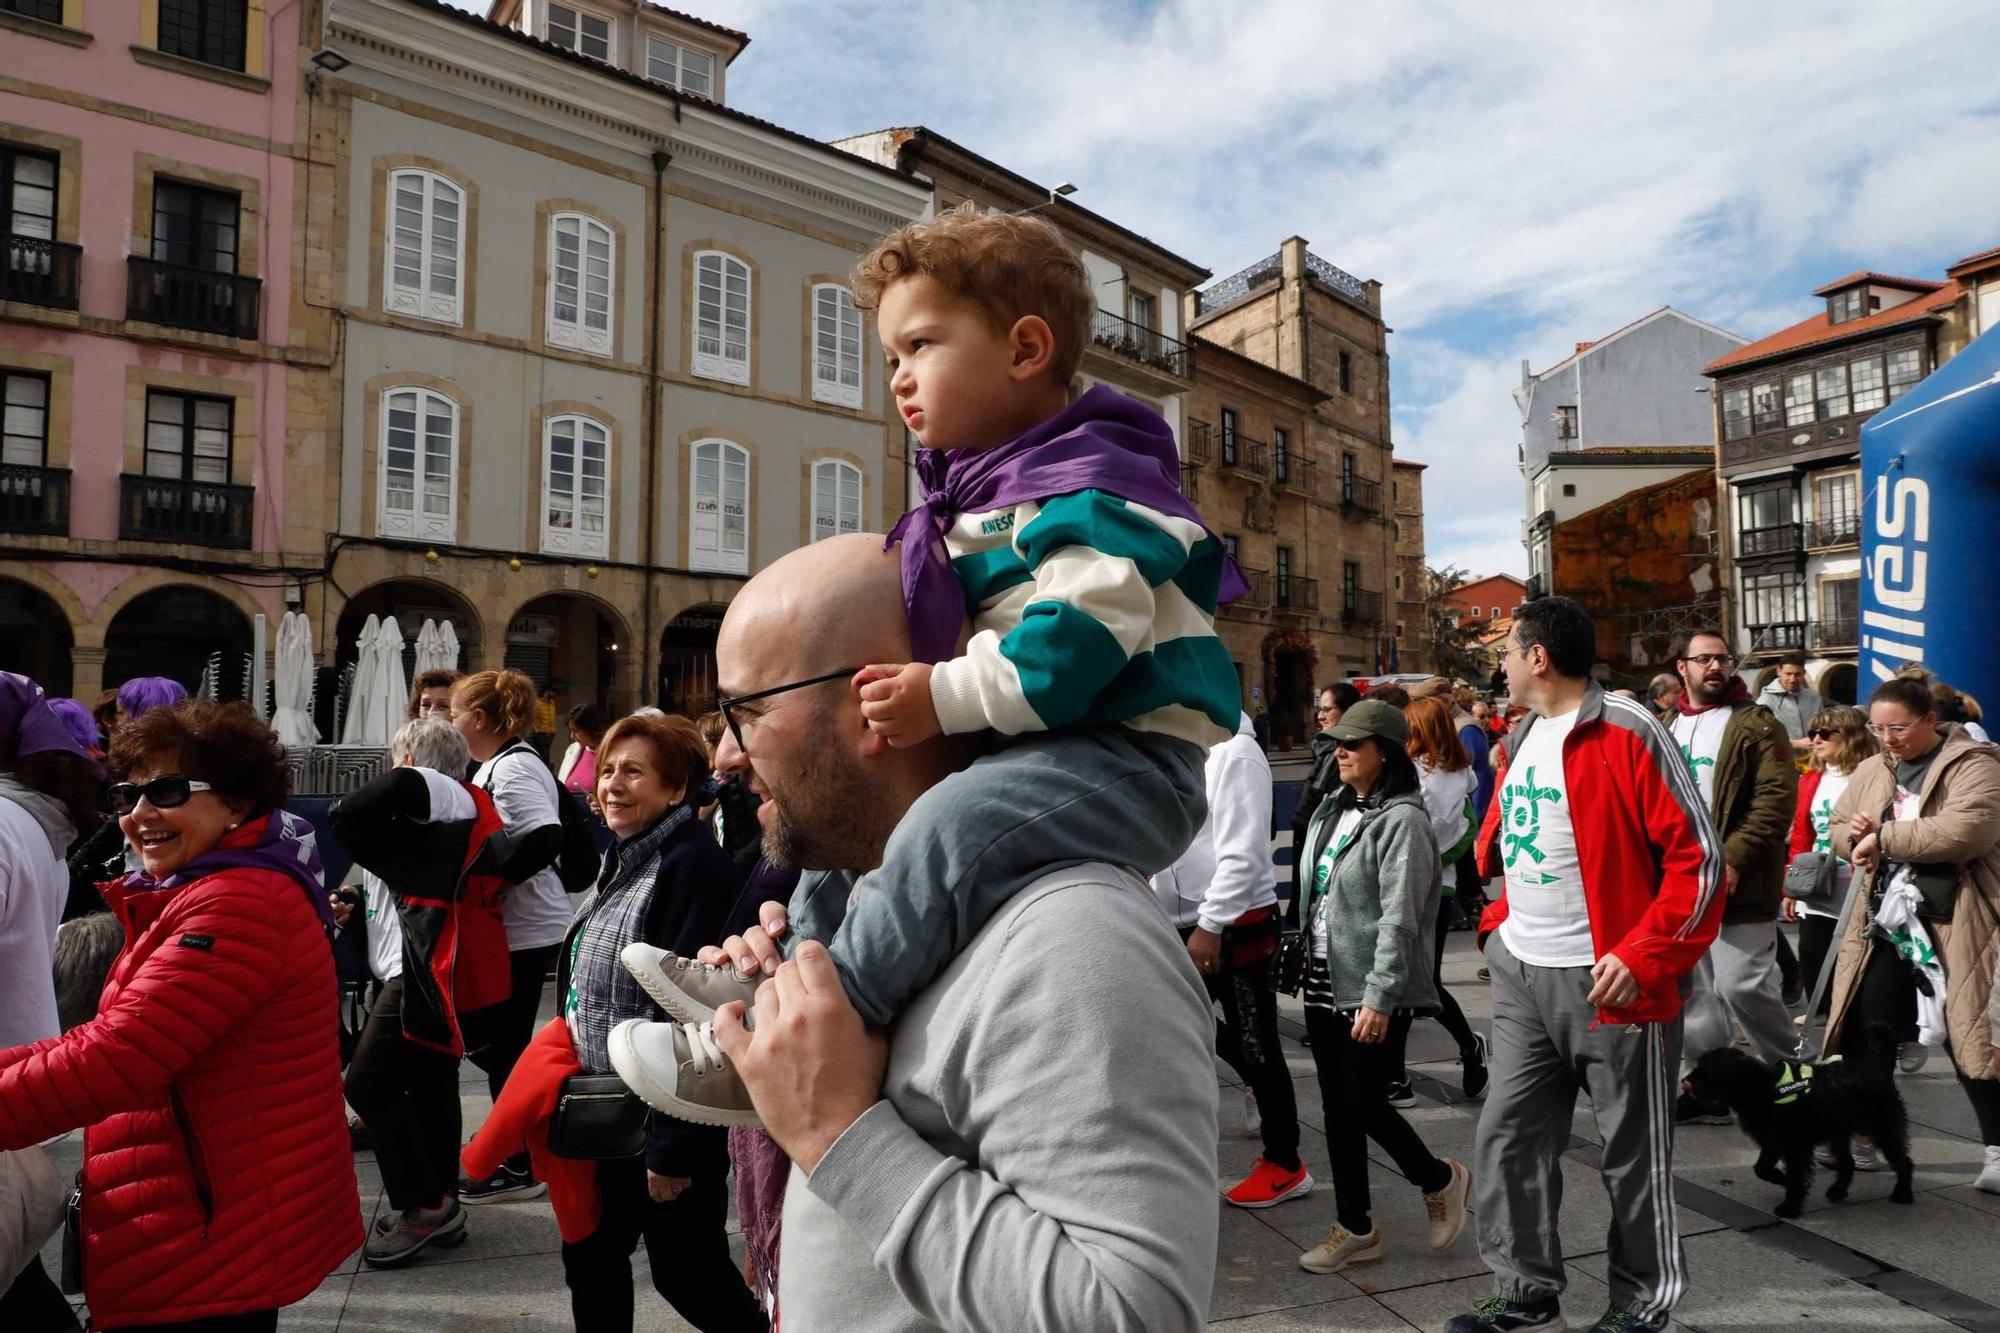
[[1708, 695], [828, 816]]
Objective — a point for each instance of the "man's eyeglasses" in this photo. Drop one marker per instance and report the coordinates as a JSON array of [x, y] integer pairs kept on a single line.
[[1898, 730], [728, 707], [165, 792], [1707, 660]]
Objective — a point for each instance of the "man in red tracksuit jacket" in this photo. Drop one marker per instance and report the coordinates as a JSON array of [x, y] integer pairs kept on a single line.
[[1614, 890]]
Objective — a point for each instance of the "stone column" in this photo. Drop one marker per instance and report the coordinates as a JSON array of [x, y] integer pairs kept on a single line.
[[87, 673]]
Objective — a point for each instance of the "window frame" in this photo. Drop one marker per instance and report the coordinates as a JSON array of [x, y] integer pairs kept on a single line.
[[1841, 307], [582, 12], [1877, 393], [719, 365], [1142, 303], [1227, 429], [1773, 583], [1899, 387], [1281, 567], [1767, 406], [681, 53], [573, 538], [422, 302], [196, 194], [836, 390], [420, 525], [11, 156], [1800, 411], [189, 427], [1736, 413], [1823, 400], [203, 18], [836, 468], [576, 334], [1346, 372], [1281, 455], [717, 559], [8, 375], [1566, 422], [12, 7]]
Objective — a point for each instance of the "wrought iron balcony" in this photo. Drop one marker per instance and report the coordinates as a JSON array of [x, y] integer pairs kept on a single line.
[[1537, 587], [1837, 632], [1298, 474], [1199, 440], [1358, 606], [1298, 596], [1260, 588], [167, 509], [1147, 346], [1780, 539], [1361, 493], [40, 272], [1191, 481], [181, 297], [1840, 530], [34, 500], [1780, 636], [1244, 454]]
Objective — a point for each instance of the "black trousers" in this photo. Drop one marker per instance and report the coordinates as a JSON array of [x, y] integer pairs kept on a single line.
[[408, 1095], [257, 1321], [1448, 1014], [1354, 1089], [34, 1304], [685, 1243], [1879, 1015], [514, 1028], [1815, 943], [1247, 1040], [1788, 962]]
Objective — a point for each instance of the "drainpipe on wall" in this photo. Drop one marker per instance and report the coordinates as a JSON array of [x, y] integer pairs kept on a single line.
[[651, 429]]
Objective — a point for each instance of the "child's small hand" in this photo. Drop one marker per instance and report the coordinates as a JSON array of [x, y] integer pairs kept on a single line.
[[896, 703]]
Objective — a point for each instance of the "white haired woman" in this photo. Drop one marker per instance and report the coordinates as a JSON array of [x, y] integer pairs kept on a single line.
[[435, 879]]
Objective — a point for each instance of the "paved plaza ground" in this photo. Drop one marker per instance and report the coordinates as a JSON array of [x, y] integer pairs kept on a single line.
[[1866, 1266]]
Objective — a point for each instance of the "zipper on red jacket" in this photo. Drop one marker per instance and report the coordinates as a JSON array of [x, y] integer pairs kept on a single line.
[[197, 1160]]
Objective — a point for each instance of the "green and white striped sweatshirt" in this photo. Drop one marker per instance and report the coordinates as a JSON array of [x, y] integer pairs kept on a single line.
[[1087, 609]]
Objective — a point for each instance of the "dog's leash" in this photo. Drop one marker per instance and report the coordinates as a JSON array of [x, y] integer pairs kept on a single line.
[[1855, 883]]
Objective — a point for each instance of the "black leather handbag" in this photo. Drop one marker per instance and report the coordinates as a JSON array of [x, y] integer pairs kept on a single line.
[[597, 1119]]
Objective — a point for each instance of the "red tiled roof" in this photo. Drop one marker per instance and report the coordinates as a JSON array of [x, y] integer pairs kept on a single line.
[[1812, 332], [1984, 259], [742, 37], [1868, 275]]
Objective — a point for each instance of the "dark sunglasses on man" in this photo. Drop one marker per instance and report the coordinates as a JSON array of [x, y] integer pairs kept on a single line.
[[165, 792]]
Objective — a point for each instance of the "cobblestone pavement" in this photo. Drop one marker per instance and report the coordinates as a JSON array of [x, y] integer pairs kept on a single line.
[[1865, 1266]]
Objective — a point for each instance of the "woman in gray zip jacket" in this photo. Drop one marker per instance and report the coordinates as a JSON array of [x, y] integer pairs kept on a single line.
[[1372, 885]]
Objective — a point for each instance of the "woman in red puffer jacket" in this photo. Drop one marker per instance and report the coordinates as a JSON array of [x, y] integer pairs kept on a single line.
[[217, 1182]]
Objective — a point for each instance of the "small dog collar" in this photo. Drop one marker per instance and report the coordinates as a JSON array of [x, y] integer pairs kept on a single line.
[[1793, 1079]]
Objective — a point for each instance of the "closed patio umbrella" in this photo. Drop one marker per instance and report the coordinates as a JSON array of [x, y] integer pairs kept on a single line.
[[364, 697], [293, 719]]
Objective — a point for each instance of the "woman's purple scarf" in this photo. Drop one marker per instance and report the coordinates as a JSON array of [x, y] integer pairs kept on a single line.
[[284, 842], [1103, 441]]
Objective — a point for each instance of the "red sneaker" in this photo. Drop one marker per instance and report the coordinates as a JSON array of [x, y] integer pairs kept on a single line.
[[1268, 1184]]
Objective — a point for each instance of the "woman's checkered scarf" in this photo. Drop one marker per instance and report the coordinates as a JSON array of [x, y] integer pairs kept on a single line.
[[602, 994]]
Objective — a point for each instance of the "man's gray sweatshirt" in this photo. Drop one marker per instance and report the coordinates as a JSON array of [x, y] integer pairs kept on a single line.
[[1044, 1156]]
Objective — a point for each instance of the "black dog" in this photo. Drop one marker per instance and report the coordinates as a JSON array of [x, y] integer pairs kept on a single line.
[[1788, 1116]]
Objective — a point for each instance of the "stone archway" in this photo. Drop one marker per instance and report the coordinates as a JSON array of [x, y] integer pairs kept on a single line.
[[178, 630], [1291, 666], [1838, 682], [411, 601], [576, 646], [37, 639], [687, 660]]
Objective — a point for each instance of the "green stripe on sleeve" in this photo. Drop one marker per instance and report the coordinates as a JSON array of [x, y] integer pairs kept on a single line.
[[988, 573], [1103, 522], [1064, 659], [1200, 576]]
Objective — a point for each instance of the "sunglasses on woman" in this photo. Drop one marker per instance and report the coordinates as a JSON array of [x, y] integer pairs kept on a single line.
[[165, 792], [1821, 735]]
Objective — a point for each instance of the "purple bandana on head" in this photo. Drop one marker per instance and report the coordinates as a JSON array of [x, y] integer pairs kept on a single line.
[[28, 725], [1103, 441], [283, 842]]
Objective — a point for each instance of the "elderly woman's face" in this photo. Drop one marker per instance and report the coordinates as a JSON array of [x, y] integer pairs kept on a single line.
[[167, 838], [630, 789]]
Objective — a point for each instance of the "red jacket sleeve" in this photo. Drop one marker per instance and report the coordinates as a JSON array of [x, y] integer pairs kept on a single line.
[[182, 999], [1802, 829], [1486, 849], [1686, 912]]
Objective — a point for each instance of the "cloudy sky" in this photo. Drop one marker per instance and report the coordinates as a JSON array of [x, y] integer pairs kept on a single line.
[[1519, 176]]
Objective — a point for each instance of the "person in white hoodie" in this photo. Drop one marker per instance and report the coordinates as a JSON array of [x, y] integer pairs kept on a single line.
[[48, 789], [1450, 786], [1222, 897]]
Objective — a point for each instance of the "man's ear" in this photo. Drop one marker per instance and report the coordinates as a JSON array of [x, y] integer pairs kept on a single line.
[[1033, 344]]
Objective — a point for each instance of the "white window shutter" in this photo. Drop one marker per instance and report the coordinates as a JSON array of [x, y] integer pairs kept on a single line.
[[580, 300], [836, 373], [576, 517], [721, 318], [417, 484], [719, 508], [424, 252]]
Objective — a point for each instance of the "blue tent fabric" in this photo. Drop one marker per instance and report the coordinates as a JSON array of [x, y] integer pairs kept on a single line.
[[1930, 530]]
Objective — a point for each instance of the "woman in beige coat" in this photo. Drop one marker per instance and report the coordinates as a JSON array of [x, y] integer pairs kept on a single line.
[[1931, 800]]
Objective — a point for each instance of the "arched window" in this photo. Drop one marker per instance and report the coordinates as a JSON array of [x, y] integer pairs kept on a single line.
[[719, 507], [580, 264], [721, 317], [418, 487], [836, 346], [576, 507], [836, 498], [426, 247]]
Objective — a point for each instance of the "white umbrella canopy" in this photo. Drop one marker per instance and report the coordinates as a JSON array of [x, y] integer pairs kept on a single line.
[[430, 648], [447, 647], [393, 684], [293, 720], [364, 696]]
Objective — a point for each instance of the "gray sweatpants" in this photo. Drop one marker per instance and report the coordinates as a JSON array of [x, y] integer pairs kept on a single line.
[[1545, 1050], [1737, 982], [965, 847]]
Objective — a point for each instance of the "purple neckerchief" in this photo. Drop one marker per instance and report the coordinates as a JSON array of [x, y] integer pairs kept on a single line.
[[284, 842], [29, 724], [1103, 441]]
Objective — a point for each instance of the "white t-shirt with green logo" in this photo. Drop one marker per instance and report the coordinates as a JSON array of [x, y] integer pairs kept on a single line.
[[1343, 833], [1700, 737], [1548, 920], [1832, 784]]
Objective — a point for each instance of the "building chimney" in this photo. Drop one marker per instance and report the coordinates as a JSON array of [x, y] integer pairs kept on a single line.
[[1373, 290], [1292, 257]]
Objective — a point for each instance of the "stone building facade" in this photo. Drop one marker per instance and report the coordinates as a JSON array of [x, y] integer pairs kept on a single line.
[[1330, 507], [1410, 636]]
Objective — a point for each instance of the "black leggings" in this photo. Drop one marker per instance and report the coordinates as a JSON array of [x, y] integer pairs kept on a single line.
[[1354, 1093], [1449, 1014], [1879, 1015], [687, 1244], [408, 1095], [1815, 945]]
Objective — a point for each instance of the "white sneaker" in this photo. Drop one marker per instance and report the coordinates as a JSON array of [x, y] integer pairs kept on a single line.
[[1989, 1179], [1341, 1248], [1447, 1207], [1253, 1119]]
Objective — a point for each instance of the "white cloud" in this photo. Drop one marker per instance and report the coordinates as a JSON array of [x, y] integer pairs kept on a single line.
[[1520, 177]]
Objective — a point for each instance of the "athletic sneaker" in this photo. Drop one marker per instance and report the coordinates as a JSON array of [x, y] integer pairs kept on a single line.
[[1864, 1155], [509, 1182], [400, 1237], [1341, 1248], [1401, 1096], [688, 990], [1692, 1110], [1447, 1207], [1497, 1314], [1476, 1074], [1253, 1118], [1486, 974], [680, 1069], [1912, 1056], [1989, 1179], [1618, 1319], [1269, 1184]]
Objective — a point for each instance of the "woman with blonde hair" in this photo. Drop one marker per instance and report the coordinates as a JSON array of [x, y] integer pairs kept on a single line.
[[494, 711], [1840, 745]]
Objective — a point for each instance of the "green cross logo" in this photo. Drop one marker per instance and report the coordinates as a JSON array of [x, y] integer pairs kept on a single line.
[[1521, 821], [1694, 764], [1914, 948]]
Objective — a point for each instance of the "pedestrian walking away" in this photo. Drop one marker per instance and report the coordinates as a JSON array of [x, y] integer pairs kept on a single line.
[[1613, 891]]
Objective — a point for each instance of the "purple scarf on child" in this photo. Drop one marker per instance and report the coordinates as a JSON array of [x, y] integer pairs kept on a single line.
[[1103, 441], [283, 842]]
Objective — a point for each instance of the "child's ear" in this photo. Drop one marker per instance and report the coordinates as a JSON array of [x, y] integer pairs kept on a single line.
[[1034, 346]]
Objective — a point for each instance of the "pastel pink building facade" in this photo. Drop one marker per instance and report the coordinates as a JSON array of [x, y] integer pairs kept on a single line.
[[148, 156]]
